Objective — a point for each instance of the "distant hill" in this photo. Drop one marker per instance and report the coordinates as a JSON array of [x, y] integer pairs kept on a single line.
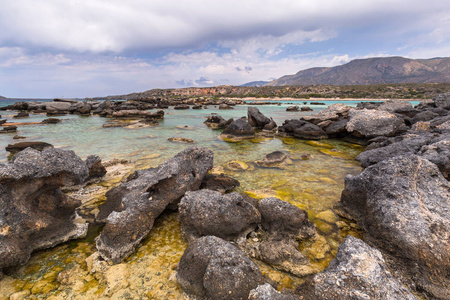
[[377, 70], [255, 83], [1, 97]]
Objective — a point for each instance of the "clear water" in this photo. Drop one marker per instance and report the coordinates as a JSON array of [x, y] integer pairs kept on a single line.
[[314, 184]]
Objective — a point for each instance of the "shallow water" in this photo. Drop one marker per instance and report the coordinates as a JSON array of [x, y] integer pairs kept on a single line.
[[313, 184]]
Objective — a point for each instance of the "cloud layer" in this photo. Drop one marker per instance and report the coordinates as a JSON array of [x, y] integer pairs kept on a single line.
[[97, 47]]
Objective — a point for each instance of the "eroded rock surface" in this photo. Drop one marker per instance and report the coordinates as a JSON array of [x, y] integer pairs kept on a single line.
[[131, 208], [239, 129], [403, 205]]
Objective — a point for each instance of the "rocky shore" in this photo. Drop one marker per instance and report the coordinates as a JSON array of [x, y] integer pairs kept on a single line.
[[400, 200]]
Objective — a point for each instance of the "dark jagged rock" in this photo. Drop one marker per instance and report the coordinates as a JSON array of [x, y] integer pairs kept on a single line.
[[358, 272], [274, 159], [17, 147], [220, 183], [9, 129], [371, 123], [403, 205], [214, 269], [34, 213], [240, 129], [424, 116], [3, 121], [131, 208], [267, 292], [95, 167], [105, 108], [302, 129], [217, 122], [256, 118], [271, 126], [306, 108], [51, 121], [207, 212], [21, 115]]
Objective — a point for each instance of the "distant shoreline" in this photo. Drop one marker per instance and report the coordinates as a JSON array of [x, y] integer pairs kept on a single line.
[[269, 99]]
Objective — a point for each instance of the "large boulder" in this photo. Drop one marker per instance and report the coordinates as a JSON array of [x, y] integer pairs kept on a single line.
[[131, 208], [34, 212], [212, 268], [358, 272], [57, 107], [207, 212], [370, 123], [403, 205], [442, 101], [256, 118], [239, 129], [393, 106], [331, 113], [302, 129]]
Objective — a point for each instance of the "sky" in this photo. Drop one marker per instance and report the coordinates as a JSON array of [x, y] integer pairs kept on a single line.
[[90, 48]]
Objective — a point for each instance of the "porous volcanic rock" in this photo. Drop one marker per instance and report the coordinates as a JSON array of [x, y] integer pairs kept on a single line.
[[358, 272], [34, 213], [131, 208], [267, 292], [95, 166], [217, 122], [302, 129], [219, 182], [207, 212], [442, 101], [240, 129], [212, 268], [370, 123], [403, 205]]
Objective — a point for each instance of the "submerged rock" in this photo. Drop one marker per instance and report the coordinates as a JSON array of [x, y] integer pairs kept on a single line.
[[403, 205], [214, 269], [34, 212], [131, 208], [274, 159], [207, 212], [358, 272], [51, 121]]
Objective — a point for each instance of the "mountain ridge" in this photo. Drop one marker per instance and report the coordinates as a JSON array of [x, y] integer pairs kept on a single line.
[[375, 70]]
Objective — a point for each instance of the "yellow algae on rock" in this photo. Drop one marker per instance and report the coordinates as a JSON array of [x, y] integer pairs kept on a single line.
[[327, 216], [236, 165], [336, 153], [319, 144], [116, 278], [261, 194], [20, 295], [315, 248]]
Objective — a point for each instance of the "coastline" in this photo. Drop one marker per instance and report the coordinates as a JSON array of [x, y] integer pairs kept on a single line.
[[320, 99]]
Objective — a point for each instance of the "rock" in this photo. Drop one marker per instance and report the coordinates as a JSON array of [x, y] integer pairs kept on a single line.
[[439, 154], [9, 129], [207, 212], [217, 122], [371, 123], [3, 121], [442, 101], [225, 106], [302, 129], [95, 166], [180, 140], [274, 159], [134, 113], [271, 126], [267, 292], [393, 106], [255, 118], [18, 137], [105, 108], [131, 208], [21, 115], [34, 212], [358, 272], [424, 116], [219, 182], [57, 107], [402, 204], [337, 128], [306, 108], [84, 108], [181, 106], [17, 147], [51, 121], [331, 113], [213, 268], [292, 108], [239, 129]]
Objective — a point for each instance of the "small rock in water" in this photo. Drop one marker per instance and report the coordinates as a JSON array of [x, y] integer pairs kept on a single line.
[[180, 140]]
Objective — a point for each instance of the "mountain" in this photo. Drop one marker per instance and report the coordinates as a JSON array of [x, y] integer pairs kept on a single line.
[[1, 97], [255, 83], [373, 71]]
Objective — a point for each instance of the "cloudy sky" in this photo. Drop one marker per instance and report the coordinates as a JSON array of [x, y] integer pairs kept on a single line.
[[87, 48]]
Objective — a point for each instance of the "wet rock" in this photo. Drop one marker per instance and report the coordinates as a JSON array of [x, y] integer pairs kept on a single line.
[[17, 147], [442, 101], [371, 123], [131, 208], [3, 121], [9, 129], [256, 119], [213, 268], [402, 204], [21, 115], [271, 126], [306, 108], [292, 108], [51, 121], [34, 212], [358, 272], [19, 137], [134, 113], [95, 167], [225, 106], [207, 212], [181, 106], [219, 182], [217, 122], [274, 159], [302, 129], [267, 292], [239, 129], [180, 140]]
